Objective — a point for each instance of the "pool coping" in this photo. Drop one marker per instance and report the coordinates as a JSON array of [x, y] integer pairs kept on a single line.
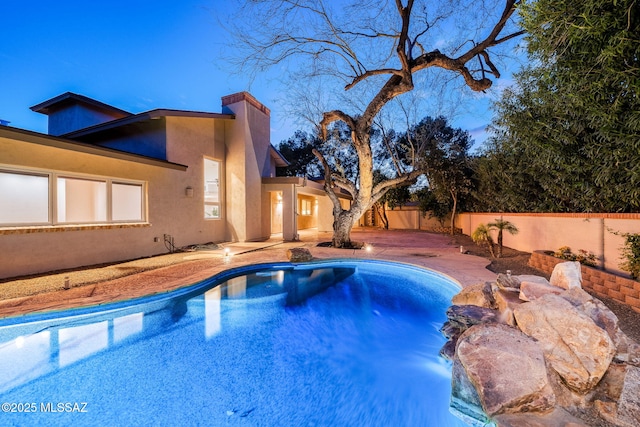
[[420, 249]]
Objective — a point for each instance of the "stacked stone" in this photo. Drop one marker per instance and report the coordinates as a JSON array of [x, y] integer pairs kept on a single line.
[[527, 351]]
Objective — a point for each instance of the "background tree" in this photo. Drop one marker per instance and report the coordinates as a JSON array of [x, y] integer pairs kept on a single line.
[[393, 198], [298, 150], [429, 204], [569, 131], [375, 50], [445, 161]]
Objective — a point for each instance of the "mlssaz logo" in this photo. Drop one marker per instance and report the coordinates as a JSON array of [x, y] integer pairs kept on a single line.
[[63, 407]]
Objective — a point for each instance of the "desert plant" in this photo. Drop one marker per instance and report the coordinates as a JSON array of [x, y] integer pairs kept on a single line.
[[631, 253], [502, 225], [583, 257], [482, 236]]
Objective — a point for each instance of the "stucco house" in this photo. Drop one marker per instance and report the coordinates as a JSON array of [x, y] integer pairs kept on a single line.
[[106, 185]]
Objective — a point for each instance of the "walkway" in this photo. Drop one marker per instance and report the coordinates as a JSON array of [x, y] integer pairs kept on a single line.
[[164, 273]]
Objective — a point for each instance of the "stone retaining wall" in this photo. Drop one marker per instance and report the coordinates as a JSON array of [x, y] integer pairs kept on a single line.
[[601, 283]]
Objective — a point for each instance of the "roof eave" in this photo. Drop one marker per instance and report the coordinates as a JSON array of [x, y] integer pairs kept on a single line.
[[65, 144]]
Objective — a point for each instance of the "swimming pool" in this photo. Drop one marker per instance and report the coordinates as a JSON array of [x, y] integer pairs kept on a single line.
[[340, 343]]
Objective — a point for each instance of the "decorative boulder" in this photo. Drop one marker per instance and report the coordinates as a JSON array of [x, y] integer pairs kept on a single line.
[[567, 275], [466, 316], [507, 301], [299, 255], [574, 346], [557, 418], [494, 356], [508, 282], [479, 294], [628, 407], [619, 401], [531, 278], [596, 310], [530, 291]]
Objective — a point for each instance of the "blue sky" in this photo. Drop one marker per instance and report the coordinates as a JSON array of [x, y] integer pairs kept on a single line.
[[136, 55]]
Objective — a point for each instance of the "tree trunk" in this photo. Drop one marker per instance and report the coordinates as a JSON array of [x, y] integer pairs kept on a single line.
[[500, 243], [385, 218], [491, 250], [342, 225], [381, 211], [453, 212]]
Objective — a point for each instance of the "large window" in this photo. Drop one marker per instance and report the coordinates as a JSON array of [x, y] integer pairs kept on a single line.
[[305, 207], [126, 202], [81, 200], [24, 198], [211, 189], [49, 198]]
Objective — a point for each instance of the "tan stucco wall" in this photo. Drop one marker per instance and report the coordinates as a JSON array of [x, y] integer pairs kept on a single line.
[[46, 251], [170, 210], [590, 232], [403, 219], [409, 218], [325, 215], [189, 141], [247, 159]]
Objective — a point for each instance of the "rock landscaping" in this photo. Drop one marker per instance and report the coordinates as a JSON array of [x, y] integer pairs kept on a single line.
[[532, 352]]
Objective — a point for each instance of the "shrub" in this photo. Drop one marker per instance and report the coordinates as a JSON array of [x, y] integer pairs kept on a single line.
[[631, 253], [482, 236], [583, 257]]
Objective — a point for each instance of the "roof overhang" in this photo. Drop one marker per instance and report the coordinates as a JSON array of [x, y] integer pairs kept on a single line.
[[145, 117], [278, 158], [303, 186], [65, 144], [68, 98]]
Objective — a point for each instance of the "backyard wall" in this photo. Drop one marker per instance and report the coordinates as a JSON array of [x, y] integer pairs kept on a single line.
[[549, 231], [601, 283], [411, 218]]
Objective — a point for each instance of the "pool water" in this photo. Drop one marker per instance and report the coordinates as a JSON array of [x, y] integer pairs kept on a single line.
[[346, 343]]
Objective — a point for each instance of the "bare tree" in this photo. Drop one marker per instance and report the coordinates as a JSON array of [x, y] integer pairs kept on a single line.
[[376, 49]]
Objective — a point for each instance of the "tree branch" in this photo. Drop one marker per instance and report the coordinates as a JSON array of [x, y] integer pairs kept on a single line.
[[380, 189], [328, 180], [334, 116]]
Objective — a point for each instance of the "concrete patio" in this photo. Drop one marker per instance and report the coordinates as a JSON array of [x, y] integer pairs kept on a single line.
[[167, 272]]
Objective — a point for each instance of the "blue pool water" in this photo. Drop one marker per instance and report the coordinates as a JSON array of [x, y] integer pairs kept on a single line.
[[346, 343]]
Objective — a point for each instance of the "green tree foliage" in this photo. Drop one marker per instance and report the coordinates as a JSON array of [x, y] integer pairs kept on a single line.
[[298, 151], [631, 254], [568, 133], [445, 160], [429, 204], [393, 198]]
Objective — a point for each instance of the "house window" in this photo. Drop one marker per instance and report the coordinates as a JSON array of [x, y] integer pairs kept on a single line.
[[49, 198], [81, 200], [305, 207], [126, 202], [24, 198], [211, 189]]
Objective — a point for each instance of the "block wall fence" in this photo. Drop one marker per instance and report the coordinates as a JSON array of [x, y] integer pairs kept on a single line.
[[598, 233], [549, 231], [601, 283]]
